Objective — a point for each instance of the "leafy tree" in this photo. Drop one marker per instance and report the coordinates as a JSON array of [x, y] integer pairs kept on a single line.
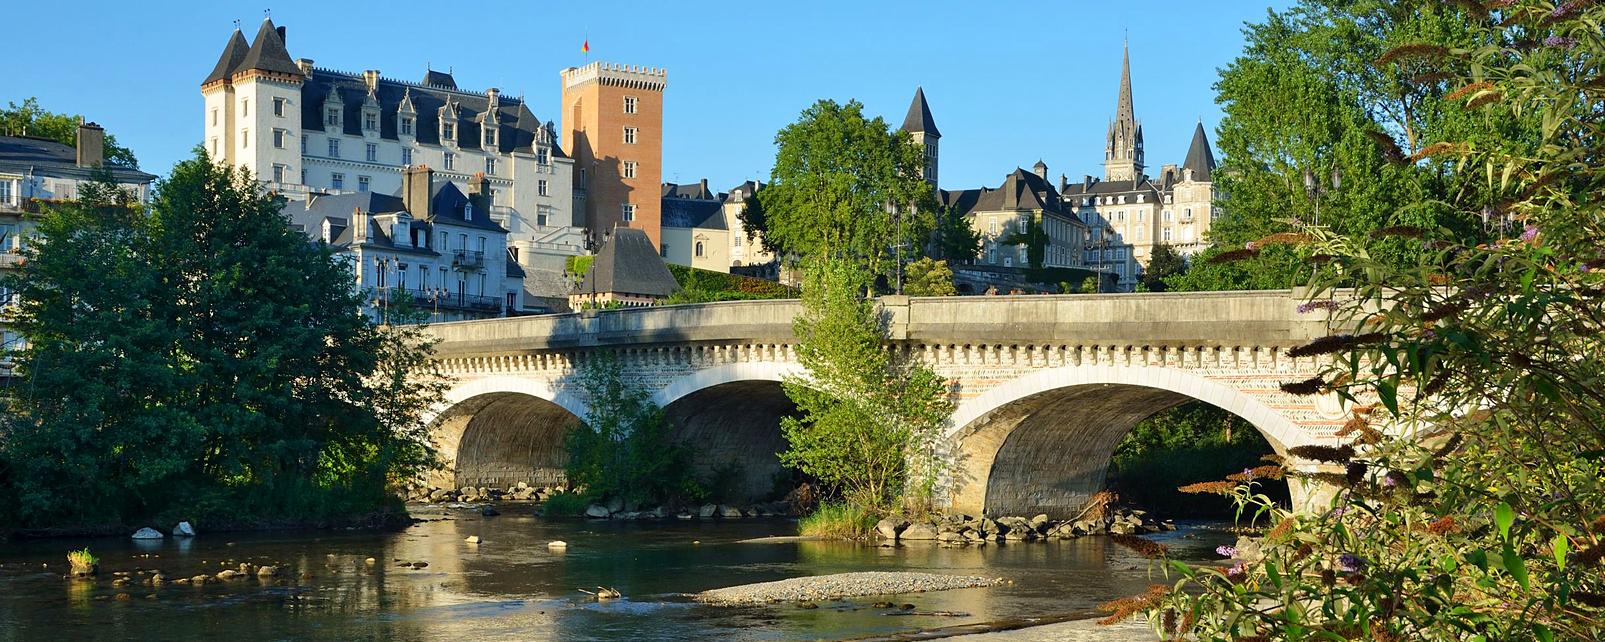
[[844, 186], [955, 240], [1193, 442], [1035, 239], [1163, 263], [31, 120], [624, 450], [929, 277], [220, 365], [1469, 502], [868, 420]]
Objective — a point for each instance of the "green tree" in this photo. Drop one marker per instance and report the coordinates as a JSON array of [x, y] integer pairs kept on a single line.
[[624, 450], [1035, 239], [844, 186], [31, 120], [955, 240], [929, 277], [221, 366], [868, 420], [1163, 263]]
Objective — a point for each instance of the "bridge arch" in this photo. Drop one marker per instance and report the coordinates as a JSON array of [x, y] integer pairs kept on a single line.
[[501, 430], [1041, 443], [729, 416]]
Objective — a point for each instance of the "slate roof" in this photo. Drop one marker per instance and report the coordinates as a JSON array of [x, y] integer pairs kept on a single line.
[[449, 203], [629, 264], [434, 78], [24, 154], [919, 116], [1021, 190], [1199, 157], [233, 54], [267, 52], [693, 213], [695, 190]]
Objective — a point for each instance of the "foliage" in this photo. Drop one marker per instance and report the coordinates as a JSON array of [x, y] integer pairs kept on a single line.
[[955, 239], [28, 119], [624, 449], [928, 277], [1304, 96], [835, 174], [566, 504], [1035, 239], [838, 521], [703, 286], [1469, 505], [82, 561], [723, 484], [868, 418], [1191, 443], [1163, 263], [213, 358]]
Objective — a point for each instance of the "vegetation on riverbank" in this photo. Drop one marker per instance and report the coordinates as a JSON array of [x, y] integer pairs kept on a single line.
[[1191, 443], [838, 520], [213, 365], [623, 451]]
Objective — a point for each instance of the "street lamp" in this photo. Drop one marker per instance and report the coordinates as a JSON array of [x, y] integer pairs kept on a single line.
[[1314, 191]]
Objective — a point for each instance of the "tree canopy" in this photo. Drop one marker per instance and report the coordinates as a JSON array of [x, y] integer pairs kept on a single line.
[[31, 120]]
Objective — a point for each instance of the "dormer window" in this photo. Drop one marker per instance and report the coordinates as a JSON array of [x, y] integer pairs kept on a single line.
[[541, 156], [406, 126], [490, 134], [468, 212], [448, 132], [331, 116], [370, 121]]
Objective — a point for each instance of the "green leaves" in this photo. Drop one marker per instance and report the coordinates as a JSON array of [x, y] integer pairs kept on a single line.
[[1504, 516]]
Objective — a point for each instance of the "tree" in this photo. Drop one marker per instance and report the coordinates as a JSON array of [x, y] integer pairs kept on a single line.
[[844, 186], [1163, 263], [220, 367], [1035, 239], [955, 239], [624, 450], [868, 420], [929, 277], [31, 120]]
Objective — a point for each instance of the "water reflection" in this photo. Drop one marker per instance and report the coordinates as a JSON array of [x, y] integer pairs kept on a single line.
[[511, 586]]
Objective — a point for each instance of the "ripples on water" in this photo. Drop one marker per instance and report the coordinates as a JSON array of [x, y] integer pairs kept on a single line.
[[510, 587]]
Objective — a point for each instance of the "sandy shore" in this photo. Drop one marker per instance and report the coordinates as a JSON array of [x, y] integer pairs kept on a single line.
[[840, 585]]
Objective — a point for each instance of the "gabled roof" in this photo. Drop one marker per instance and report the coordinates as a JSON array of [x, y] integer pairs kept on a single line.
[[919, 116], [628, 264], [1021, 190], [698, 213], [449, 205], [268, 53], [1199, 157], [233, 54], [434, 78], [698, 191]]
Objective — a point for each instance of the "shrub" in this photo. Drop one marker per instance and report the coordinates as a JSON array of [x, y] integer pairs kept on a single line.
[[838, 521], [83, 562], [567, 504], [625, 450]]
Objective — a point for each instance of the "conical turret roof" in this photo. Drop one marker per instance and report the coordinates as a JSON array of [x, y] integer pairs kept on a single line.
[[268, 53], [1199, 157], [233, 54], [919, 116]]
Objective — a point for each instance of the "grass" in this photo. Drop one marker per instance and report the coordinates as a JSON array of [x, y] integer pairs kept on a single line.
[[565, 505], [83, 562], [838, 521]]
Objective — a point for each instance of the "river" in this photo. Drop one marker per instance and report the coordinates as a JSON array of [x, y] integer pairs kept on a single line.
[[511, 587]]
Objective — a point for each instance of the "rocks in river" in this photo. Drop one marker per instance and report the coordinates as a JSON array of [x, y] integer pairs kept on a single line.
[[919, 531], [148, 533], [707, 511], [472, 539], [888, 528], [557, 545], [183, 529], [730, 512], [958, 529], [229, 574], [267, 571], [489, 511], [597, 511]]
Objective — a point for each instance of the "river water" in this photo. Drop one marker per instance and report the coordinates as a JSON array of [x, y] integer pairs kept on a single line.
[[511, 587]]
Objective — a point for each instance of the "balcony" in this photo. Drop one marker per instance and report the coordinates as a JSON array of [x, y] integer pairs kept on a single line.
[[433, 300], [11, 259], [467, 260]]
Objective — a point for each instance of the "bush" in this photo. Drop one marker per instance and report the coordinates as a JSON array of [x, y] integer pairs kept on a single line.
[[705, 286], [625, 450], [838, 521], [1191, 443], [566, 504]]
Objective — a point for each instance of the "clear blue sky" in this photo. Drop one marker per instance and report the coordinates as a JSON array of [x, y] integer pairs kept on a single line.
[[1008, 84]]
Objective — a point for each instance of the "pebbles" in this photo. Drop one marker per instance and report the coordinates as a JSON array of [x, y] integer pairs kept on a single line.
[[840, 585]]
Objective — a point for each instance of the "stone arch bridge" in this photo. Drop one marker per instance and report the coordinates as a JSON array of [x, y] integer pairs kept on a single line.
[[1045, 386]]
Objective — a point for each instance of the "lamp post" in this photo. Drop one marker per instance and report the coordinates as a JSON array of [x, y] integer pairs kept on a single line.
[[1314, 191]]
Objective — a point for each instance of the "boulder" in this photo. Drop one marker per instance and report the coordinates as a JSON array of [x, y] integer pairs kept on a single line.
[[597, 511], [707, 510], [557, 545], [918, 532], [147, 533], [472, 539], [888, 528], [730, 512], [229, 574], [267, 571], [183, 529], [1122, 528], [950, 537], [489, 511], [615, 505], [437, 495]]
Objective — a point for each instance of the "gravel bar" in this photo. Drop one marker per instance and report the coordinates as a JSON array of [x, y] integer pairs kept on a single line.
[[840, 585]]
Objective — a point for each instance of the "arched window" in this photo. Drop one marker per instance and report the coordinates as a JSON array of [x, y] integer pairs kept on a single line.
[[699, 248]]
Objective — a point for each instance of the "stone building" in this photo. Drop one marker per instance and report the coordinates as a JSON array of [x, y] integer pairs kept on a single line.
[[627, 272], [747, 254], [613, 125], [309, 132], [1002, 217], [35, 172], [695, 229]]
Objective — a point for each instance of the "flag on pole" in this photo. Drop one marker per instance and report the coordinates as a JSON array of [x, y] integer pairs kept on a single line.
[[586, 46]]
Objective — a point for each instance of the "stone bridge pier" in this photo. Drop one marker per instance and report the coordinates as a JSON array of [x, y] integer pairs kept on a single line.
[[1045, 386]]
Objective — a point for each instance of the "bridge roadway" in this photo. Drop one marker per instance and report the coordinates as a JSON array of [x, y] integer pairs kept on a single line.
[[1045, 386]]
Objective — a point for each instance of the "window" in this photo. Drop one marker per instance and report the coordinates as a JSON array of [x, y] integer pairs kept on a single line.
[[423, 277], [450, 161], [736, 240], [278, 173], [303, 176], [1167, 235], [331, 116], [442, 246], [406, 126], [379, 272], [462, 241], [1167, 216], [371, 150], [334, 148], [245, 138], [490, 166], [629, 169], [278, 138], [362, 183], [448, 132], [401, 276], [540, 220], [629, 104], [481, 245], [214, 116], [512, 300], [406, 156], [1022, 224], [541, 188], [490, 134], [629, 212], [214, 145], [540, 156], [663, 250], [699, 248], [1187, 214], [1140, 215], [304, 138], [245, 106], [337, 180], [629, 135], [444, 281], [468, 211], [370, 121], [278, 107], [6, 192]]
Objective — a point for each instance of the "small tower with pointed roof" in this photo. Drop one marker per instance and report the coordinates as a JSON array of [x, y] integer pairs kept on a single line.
[[921, 127], [1123, 154], [253, 113]]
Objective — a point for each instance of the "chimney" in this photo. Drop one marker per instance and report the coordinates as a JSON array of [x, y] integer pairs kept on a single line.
[[416, 183], [1064, 183], [479, 193], [359, 225], [1041, 170], [705, 192], [306, 66], [91, 145], [1086, 182], [281, 35], [371, 78]]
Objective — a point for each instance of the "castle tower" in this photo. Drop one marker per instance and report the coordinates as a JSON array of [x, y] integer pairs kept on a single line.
[[922, 128], [613, 128], [1123, 151], [253, 106]]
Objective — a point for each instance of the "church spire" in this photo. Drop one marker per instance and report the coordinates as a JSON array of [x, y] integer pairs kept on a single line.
[[1123, 151], [1123, 109]]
